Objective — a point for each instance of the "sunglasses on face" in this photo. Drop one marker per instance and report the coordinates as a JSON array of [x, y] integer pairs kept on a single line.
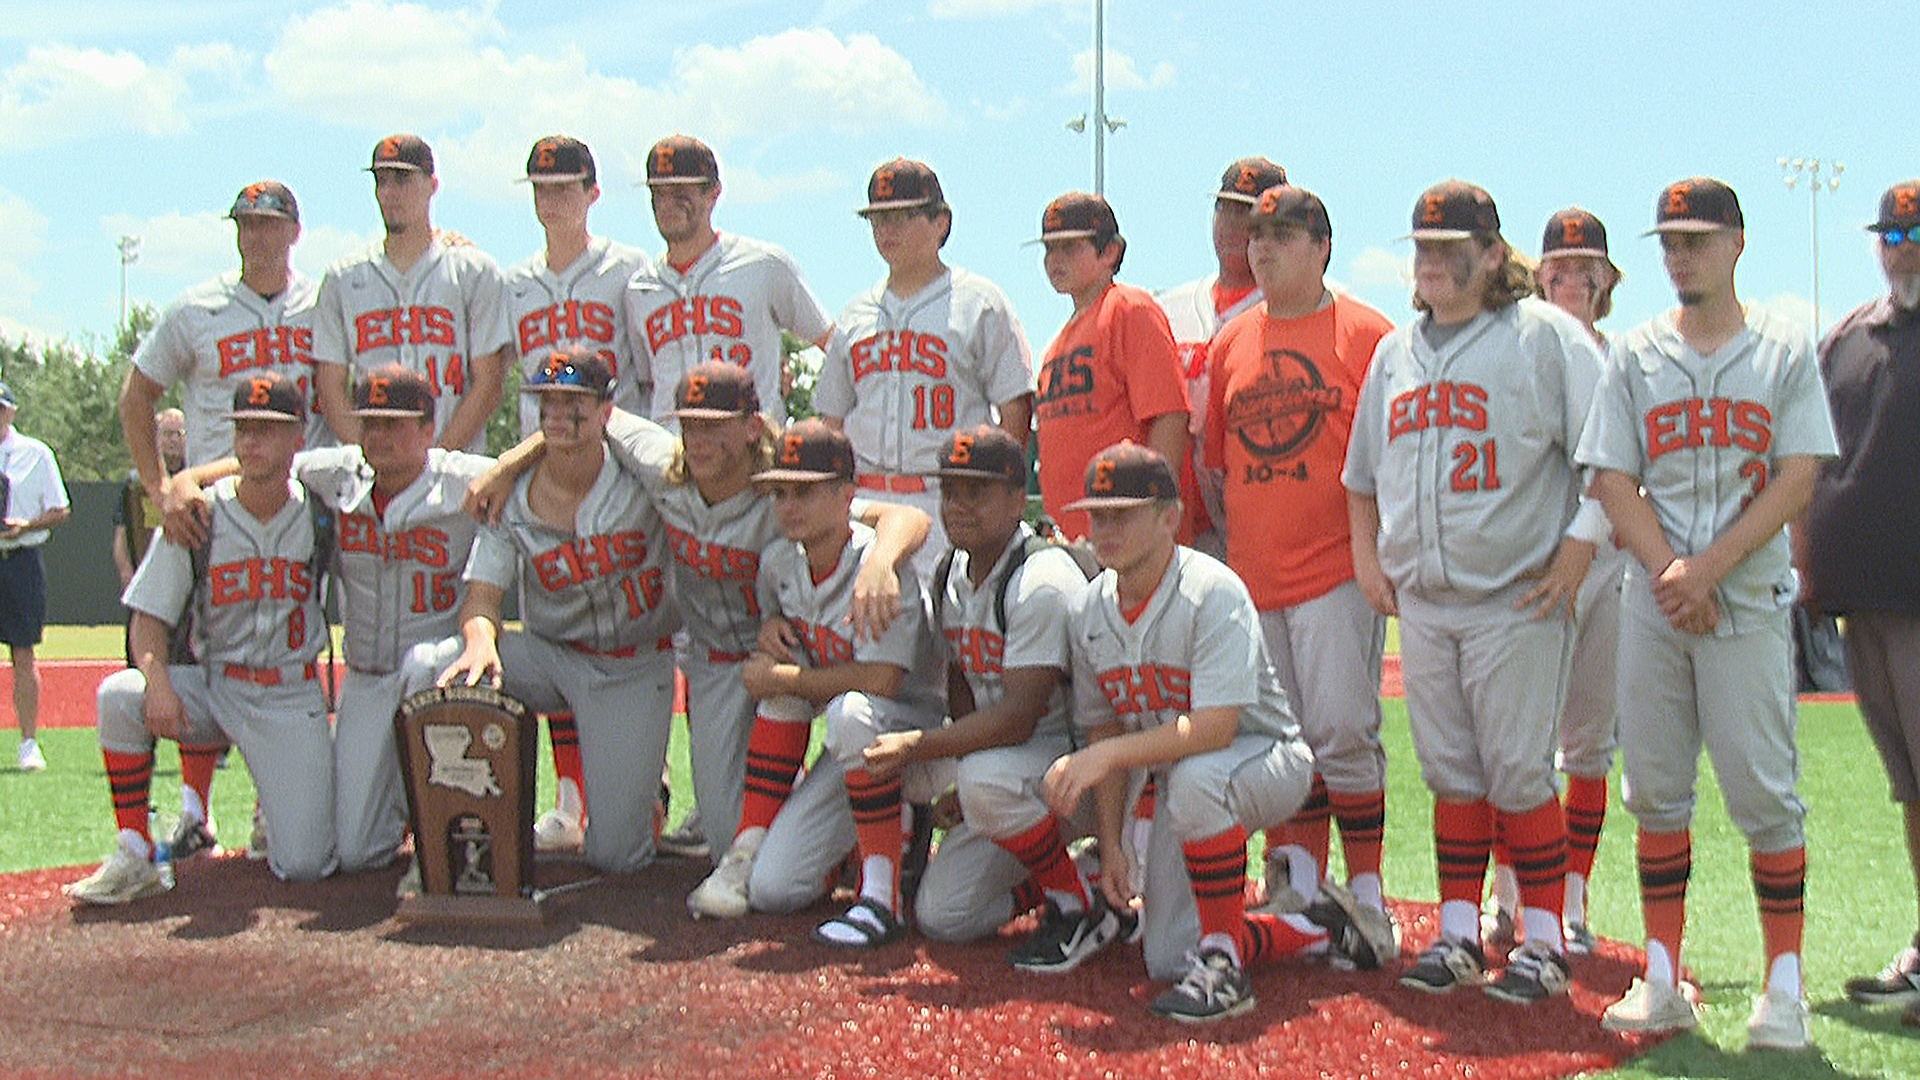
[[1893, 238]]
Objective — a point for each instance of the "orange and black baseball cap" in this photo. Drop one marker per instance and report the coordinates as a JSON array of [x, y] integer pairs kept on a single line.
[[715, 390], [1454, 210], [1293, 206], [681, 159], [267, 198], [1127, 474], [1700, 204], [986, 452], [903, 184], [810, 451], [1077, 214], [1245, 179], [402, 151], [269, 396], [570, 370], [1572, 232], [393, 391], [560, 159], [1899, 208]]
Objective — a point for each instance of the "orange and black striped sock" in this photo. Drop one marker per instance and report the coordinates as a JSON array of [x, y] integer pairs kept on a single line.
[[1311, 826], [197, 764], [565, 738], [1027, 895], [775, 751], [1586, 815], [1217, 870], [1363, 828], [1780, 884], [1462, 840], [1270, 937], [130, 779], [1666, 864], [1042, 851], [876, 828], [1537, 842]]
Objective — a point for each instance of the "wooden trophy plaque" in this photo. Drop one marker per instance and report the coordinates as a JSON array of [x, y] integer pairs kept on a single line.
[[467, 755]]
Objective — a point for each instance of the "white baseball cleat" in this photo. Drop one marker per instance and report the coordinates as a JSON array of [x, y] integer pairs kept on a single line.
[[1779, 1022], [723, 895], [125, 876], [31, 759], [558, 830], [1651, 1006]]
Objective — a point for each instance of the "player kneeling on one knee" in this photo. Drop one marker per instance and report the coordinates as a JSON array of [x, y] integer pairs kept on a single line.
[[1171, 674], [255, 600], [791, 837], [1002, 599]]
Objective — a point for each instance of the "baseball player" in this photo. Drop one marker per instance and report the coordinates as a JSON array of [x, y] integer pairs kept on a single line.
[[1170, 674], [1113, 371], [416, 299], [717, 526], [581, 537], [1198, 309], [402, 540], [713, 296], [257, 604], [927, 352], [1002, 606], [1462, 493], [1577, 276], [1859, 529], [790, 837], [574, 291], [221, 333], [1285, 378], [1707, 432]]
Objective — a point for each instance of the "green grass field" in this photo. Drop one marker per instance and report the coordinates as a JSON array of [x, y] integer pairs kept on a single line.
[[1860, 895]]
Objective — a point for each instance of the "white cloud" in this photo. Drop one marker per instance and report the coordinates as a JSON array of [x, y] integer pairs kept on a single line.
[[405, 66], [747, 186], [58, 90], [1121, 73], [1377, 268], [986, 9], [1797, 308], [174, 245], [25, 229]]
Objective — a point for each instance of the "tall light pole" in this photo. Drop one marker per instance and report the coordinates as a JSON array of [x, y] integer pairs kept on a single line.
[[129, 253], [1793, 171], [1102, 123]]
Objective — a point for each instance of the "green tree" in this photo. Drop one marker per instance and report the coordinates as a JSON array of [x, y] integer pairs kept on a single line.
[[69, 397]]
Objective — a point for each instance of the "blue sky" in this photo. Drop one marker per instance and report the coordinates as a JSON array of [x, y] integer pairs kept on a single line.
[[128, 117]]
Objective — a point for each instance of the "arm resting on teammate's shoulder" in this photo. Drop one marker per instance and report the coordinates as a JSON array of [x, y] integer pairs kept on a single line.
[[488, 492], [899, 532]]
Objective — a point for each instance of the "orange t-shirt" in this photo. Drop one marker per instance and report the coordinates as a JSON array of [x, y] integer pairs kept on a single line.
[[1108, 373], [1282, 396]]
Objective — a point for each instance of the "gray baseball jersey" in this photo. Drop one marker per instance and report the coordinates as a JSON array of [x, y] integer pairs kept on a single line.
[[257, 605], [448, 307], [820, 613], [905, 372], [219, 333], [1468, 448], [1041, 596], [1190, 312], [731, 305], [399, 569], [1702, 435], [1197, 645], [601, 585], [583, 305]]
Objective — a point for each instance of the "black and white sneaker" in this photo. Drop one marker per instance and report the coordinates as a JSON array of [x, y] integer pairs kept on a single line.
[[1534, 973], [1897, 984], [1213, 988], [1359, 936], [1447, 963], [1063, 941], [191, 837]]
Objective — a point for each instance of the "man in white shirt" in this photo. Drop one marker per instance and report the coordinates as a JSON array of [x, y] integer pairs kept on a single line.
[[33, 499]]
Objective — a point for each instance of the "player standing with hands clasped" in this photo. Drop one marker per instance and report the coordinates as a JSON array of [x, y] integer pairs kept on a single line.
[[1706, 436], [1170, 674], [1462, 492]]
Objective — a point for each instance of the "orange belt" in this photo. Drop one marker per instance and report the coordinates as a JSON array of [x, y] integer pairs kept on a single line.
[[715, 656], [662, 645], [898, 483], [267, 676]]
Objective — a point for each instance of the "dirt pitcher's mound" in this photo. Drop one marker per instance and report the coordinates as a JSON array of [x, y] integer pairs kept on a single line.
[[234, 974]]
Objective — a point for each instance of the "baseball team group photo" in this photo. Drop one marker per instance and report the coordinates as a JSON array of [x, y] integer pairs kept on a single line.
[[885, 626]]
